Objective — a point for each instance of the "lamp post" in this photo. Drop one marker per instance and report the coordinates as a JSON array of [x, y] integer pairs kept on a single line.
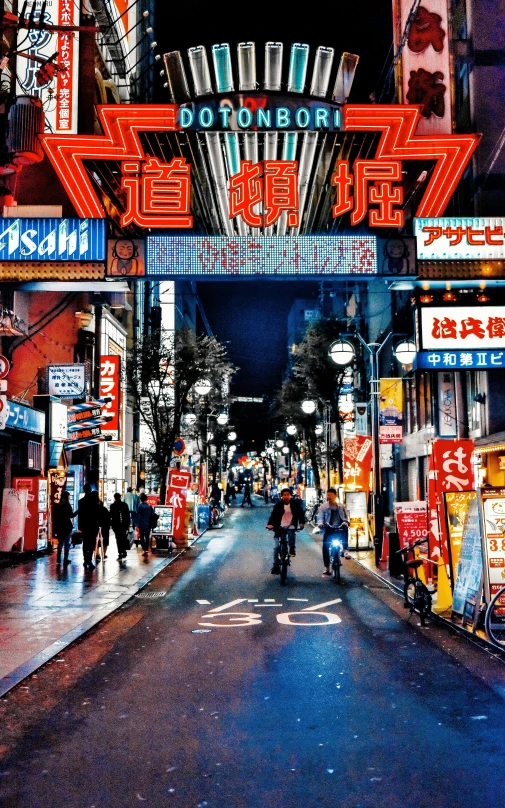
[[405, 353]]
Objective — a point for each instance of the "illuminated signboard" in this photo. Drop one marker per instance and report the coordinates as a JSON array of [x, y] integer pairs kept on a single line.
[[59, 92], [158, 193], [259, 112], [466, 329], [219, 256], [463, 239], [52, 240], [460, 360]]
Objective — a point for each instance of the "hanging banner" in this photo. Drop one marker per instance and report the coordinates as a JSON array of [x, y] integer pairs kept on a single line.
[[447, 426], [361, 418], [357, 463], [425, 62], [412, 521], [493, 512], [110, 387], [453, 465], [390, 410]]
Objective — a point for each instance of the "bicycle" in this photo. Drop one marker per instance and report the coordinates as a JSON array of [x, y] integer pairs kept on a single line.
[[283, 558], [494, 622], [416, 593], [336, 550]]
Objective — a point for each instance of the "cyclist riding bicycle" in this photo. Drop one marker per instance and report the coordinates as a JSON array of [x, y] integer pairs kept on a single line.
[[333, 518], [288, 515]]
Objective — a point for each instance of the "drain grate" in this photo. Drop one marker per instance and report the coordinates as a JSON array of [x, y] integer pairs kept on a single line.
[[150, 595]]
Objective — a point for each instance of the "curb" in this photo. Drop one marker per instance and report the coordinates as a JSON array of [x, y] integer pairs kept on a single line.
[[31, 665]]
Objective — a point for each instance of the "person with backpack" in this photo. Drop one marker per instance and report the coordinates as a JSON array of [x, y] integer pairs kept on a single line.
[[145, 519], [120, 523], [332, 517]]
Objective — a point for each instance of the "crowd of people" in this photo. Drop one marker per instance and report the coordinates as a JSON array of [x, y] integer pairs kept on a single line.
[[95, 521]]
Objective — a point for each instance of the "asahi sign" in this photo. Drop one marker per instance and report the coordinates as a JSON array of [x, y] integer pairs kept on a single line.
[[52, 240]]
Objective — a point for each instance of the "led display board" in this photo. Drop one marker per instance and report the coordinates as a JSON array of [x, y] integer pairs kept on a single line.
[[220, 257], [52, 240], [463, 328], [460, 239]]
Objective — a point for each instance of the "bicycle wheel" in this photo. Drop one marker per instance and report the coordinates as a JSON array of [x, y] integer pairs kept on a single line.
[[495, 619], [335, 565], [410, 592], [284, 553]]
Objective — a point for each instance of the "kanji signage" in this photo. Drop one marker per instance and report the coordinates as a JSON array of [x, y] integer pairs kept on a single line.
[[460, 360], [275, 256], [411, 521], [462, 239], [66, 381], [58, 88], [390, 410], [463, 328], [357, 463], [272, 182], [52, 240], [422, 39], [158, 193], [110, 387], [178, 483], [493, 511], [452, 460]]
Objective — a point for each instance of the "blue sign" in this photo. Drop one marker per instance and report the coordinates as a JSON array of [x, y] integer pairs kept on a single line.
[[460, 360], [21, 417], [52, 240], [221, 257]]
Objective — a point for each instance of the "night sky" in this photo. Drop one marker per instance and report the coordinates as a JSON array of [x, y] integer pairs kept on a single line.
[[252, 315]]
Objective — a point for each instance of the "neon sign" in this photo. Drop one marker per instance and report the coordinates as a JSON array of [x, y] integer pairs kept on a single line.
[[165, 198], [52, 240]]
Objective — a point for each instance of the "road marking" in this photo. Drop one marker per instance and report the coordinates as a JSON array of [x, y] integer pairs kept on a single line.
[[253, 600], [269, 600], [203, 602], [301, 600], [322, 605], [227, 605], [279, 605]]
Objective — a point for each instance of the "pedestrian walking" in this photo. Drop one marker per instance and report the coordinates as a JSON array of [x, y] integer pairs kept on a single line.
[[332, 517], [104, 530], [88, 520], [247, 495], [63, 527], [120, 523], [132, 500], [144, 520], [266, 492]]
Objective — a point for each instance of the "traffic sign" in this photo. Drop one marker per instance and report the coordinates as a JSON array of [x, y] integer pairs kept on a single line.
[[5, 366], [179, 446]]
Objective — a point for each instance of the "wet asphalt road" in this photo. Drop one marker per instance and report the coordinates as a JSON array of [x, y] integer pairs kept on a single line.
[[271, 706]]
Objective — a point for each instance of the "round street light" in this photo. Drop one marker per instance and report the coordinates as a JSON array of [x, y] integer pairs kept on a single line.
[[291, 429], [342, 352], [232, 435], [190, 417], [319, 429], [222, 418], [308, 406], [406, 352], [202, 387], [270, 450], [279, 443], [232, 448], [285, 450]]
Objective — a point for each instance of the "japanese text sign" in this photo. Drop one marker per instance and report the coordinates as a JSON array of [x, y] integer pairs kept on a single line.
[[452, 461], [425, 61], [463, 328], [178, 484], [110, 387], [390, 410], [66, 381], [412, 521], [493, 510], [460, 360], [357, 463], [463, 239]]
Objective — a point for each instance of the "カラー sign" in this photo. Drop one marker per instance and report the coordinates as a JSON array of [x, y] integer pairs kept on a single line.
[[463, 328], [464, 239], [110, 387]]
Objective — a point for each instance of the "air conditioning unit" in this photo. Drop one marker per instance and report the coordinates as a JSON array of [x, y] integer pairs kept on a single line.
[[26, 123]]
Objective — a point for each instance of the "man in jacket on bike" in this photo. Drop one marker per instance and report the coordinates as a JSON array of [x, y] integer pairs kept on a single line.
[[288, 514], [333, 518]]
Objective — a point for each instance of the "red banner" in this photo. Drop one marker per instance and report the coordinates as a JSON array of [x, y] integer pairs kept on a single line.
[[178, 484], [357, 463], [110, 387], [453, 465]]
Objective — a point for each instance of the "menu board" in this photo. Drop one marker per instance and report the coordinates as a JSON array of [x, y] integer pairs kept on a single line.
[[164, 526], [468, 579], [412, 522], [356, 506], [493, 512]]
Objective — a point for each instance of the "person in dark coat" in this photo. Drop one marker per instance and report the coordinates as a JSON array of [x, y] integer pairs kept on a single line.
[[62, 526], [104, 529], [88, 516], [143, 521], [247, 495], [120, 523], [287, 514]]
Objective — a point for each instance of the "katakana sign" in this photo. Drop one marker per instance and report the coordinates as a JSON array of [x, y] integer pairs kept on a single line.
[[463, 328], [158, 193], [467, 239], [110, 387]]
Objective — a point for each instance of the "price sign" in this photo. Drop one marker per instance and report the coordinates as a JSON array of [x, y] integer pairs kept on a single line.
[[412, 521]]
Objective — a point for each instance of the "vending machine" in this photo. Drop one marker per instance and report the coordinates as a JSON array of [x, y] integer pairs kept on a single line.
[[36, 535]]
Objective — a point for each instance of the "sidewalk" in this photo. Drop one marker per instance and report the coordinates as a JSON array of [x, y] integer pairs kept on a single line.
[[43, 608]]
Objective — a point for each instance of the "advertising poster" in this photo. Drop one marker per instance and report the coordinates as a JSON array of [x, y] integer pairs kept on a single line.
[[457, 507], [12, 528], [390, 410], [356, 506], [361, 418], [493, 511], [165, 521], [357, 463], [468, 579], [411, 521]]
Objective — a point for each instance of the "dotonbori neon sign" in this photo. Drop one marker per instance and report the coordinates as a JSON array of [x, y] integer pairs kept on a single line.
[[158, 194]]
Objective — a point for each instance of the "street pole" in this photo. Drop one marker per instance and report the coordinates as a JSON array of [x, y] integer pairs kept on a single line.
[[327, 436]]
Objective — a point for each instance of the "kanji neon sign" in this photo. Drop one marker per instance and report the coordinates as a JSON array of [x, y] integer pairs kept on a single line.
[[158, 193]]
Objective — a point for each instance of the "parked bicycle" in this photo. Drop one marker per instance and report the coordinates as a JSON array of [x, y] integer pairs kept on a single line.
[[495, 619], [416, 593], [312, 511]]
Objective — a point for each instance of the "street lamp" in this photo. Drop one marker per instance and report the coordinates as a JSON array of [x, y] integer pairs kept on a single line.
[[342, 352], [291, 429], [232, 436], [285, 450], [190, 417], [406, 352], [319, 429], [202, 387], [279, 443], [222, 418], [308, 406]]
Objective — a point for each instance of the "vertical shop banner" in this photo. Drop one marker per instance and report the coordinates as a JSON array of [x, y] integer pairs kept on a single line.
[[390, 410], [468, 583], [434, 537], [457, 507], [357, 463], [425, 62], [412, 521], [178, 484], [447, 427], [453, 465], [60, 105], [361, 418], [110, 387], [493, 514]]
